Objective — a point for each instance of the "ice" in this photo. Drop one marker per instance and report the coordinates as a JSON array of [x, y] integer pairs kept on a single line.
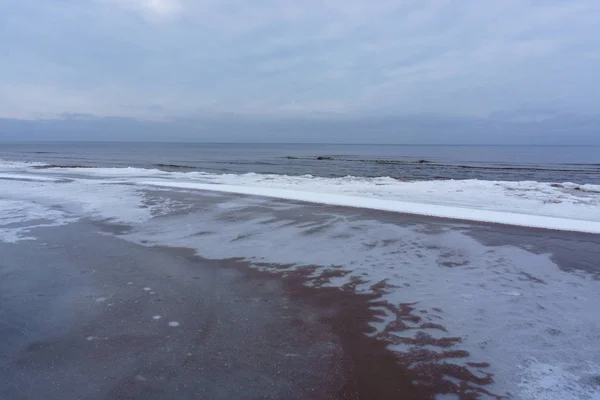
[[83, 197], [550, 382], [19, 217]]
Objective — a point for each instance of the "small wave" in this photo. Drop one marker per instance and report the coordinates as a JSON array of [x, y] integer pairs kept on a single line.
[[19, 164], [63, 166], [516, 168]]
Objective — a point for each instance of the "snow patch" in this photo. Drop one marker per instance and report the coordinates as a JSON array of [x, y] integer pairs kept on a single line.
[[550, 382]]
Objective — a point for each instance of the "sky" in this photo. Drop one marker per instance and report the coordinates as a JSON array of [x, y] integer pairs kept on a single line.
[[454, 70]]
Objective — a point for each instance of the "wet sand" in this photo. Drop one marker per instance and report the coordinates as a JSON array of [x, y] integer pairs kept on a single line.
[[89, 316]]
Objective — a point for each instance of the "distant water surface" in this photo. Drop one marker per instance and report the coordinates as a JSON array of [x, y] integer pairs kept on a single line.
[[579, 164]]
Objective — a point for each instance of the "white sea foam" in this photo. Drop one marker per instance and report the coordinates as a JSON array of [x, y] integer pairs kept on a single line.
[[28, 177], [18, 165]]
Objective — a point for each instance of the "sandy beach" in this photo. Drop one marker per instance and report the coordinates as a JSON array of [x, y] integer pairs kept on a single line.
[[220, 296]]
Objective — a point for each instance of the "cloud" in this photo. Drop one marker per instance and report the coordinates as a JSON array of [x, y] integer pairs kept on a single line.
[[160, 59], [162, 6], [151, 8]]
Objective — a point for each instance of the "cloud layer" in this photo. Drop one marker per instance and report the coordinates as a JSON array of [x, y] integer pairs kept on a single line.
[[156, 59]]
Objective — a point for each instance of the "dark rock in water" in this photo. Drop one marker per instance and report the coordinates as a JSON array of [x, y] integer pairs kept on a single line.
[[173, 166], [324, 158], [423, 161]]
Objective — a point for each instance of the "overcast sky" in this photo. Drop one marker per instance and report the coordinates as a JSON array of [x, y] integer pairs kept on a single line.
[[179, 60]]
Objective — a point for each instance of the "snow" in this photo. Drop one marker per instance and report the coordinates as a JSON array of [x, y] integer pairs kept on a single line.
[[84, 197], [533, 219], [550, 382]]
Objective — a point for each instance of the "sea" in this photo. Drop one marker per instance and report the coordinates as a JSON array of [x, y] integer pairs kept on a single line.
[[577, 164]]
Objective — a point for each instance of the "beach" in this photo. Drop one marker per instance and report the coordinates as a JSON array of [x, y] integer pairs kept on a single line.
[[114, 290]]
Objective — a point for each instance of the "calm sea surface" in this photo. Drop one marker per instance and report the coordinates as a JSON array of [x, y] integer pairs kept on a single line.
[[515, 163]]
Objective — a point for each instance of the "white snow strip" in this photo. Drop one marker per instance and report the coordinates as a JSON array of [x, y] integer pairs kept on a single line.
[[433, 210]]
